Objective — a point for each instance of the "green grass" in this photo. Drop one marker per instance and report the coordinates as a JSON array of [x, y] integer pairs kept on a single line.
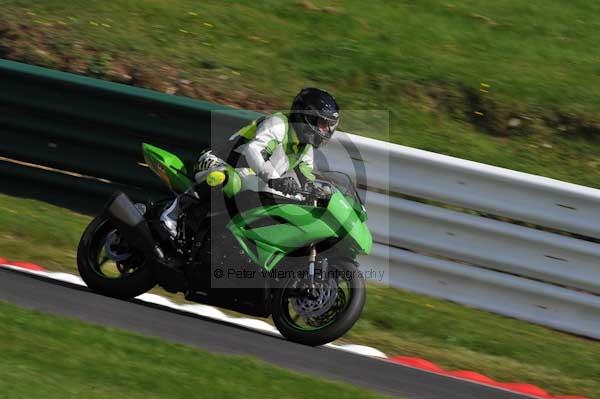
[[417, 60], [53, 357], [38, 232], [395, 321]]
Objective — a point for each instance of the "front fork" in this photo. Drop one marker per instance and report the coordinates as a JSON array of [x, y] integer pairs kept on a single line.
[[312, 258]]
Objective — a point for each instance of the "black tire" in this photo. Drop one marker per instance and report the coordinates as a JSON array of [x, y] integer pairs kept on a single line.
[[126, 286], [342, 321]]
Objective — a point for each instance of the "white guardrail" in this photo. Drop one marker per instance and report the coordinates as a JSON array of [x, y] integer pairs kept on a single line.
[[502, 267]]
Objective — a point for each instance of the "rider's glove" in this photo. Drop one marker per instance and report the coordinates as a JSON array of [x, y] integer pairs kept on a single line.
[[287, 185]]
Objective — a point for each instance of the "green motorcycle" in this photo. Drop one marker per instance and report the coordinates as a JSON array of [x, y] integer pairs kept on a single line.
[[262, 254]]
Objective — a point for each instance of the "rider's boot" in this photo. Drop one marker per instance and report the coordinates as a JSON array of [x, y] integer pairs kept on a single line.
[[170, 217], [195, 198]]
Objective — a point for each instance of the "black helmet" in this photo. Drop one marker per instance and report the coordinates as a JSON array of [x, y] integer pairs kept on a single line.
[[314, 116]]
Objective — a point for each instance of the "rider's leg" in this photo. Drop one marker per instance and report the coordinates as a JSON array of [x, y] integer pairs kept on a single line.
[[205, 164], [199, 196]]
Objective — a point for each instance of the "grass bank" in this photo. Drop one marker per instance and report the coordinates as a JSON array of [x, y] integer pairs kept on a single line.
[[508, 83], [395, 321]]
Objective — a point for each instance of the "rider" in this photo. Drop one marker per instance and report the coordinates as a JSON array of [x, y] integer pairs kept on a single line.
[[278, 149]]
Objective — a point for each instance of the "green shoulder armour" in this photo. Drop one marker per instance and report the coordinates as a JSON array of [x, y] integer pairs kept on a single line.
[[249, 131]]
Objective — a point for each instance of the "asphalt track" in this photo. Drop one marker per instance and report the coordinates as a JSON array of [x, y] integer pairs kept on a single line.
[[70, 300]]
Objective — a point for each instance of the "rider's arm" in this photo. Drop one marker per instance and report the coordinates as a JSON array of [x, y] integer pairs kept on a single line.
[[305, 167], [268, 134]]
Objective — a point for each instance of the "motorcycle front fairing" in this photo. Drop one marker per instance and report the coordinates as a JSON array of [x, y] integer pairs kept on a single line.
[[286, 228], [351, 220], [283, 229]]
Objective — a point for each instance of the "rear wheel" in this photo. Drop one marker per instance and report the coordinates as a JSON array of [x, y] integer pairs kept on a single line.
[[108, 266], [321, 314]]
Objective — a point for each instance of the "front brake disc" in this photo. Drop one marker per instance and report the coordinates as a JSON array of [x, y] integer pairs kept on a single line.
[[317, 305]]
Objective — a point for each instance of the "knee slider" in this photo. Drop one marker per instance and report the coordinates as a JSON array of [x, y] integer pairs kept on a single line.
[[215, 178]]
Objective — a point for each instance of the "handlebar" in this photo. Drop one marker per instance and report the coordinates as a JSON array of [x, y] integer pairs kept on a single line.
[[313, 190], [317, 193]]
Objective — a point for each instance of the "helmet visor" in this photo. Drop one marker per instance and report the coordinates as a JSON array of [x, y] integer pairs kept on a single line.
[[324, 127]]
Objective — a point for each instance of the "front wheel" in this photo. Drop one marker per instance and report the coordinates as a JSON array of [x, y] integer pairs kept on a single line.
[[108, 266], [323, 313]]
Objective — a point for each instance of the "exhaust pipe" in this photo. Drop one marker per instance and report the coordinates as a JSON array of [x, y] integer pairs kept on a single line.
[[132, 225]]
